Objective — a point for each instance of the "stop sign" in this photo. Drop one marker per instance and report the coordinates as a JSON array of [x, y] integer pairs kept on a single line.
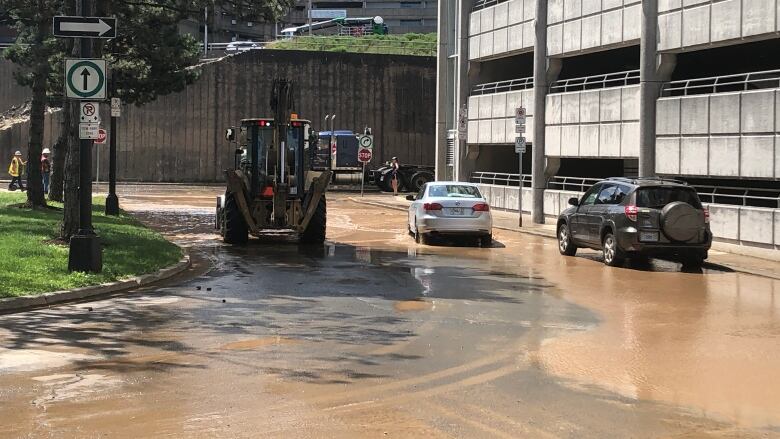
[[102, 135], [364, 155]]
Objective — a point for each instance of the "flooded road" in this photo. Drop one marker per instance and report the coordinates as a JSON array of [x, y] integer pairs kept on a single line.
[[373, 335]]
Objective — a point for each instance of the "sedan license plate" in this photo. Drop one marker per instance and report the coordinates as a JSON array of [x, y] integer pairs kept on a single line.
[[456, 211], [648, 236]]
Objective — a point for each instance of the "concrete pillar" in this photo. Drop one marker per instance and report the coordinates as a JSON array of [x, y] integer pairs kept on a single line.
[[463, 166], [444, 95], [649, 87], [541, 86]]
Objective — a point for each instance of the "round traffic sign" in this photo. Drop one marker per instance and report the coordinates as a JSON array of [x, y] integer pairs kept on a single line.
[[364, 155], [85, 79], [89, 109], [102, 135]]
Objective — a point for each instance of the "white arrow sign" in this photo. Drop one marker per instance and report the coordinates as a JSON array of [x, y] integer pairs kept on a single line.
[[100, 27], [84, 27]]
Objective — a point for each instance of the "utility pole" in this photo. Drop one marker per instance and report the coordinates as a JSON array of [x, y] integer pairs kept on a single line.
[[112, 201], [85, 252]]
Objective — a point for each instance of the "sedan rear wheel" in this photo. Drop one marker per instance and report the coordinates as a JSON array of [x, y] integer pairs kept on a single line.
[[565, 246]]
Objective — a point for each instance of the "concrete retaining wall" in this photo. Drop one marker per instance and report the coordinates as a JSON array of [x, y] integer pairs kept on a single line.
[[492, 117], [180, 137], [698, 23], [593, 123], [578, 26], [752, 226], [11, 93], [503, 29], [723, 135]]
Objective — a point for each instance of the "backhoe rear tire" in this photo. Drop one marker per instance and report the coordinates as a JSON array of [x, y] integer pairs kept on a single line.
[[236, 229], [315, 231]]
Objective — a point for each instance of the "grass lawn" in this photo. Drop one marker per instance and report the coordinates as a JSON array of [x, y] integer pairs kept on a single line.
[[400, 44], [31, 263]]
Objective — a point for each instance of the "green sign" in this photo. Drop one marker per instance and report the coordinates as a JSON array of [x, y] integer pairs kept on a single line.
[[85, 78]]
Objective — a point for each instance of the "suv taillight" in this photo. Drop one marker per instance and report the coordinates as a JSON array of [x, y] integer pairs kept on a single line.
[[481, 207], [432, 206], [706, 215], [631, 212]]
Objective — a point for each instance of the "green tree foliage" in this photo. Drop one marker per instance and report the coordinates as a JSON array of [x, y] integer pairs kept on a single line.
[[149, 58]]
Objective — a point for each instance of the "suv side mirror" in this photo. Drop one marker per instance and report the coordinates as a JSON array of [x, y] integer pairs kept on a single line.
[[230, 134], [410, 197], [574, 201]]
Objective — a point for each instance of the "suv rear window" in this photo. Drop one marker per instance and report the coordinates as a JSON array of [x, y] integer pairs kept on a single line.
[[658, 197]]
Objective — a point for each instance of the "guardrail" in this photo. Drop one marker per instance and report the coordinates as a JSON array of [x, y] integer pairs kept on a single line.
[[721, 84], [500, 179], [482, 4], [737, 196], [618, 79], [755, 197], [502, 86]]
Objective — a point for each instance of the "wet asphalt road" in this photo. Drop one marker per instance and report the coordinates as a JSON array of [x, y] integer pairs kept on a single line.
[[375, 336]]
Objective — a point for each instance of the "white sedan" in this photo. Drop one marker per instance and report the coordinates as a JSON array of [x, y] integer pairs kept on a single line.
[[450, 208]]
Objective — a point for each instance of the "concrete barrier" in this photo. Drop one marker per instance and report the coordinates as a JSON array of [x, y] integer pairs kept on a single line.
[[743, 225]]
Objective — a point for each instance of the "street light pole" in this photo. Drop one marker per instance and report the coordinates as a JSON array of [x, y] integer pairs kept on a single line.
[[85, 252]]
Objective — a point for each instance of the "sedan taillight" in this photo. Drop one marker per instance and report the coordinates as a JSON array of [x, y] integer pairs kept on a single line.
[[432, 206], [631, 212], [481, 207], [706, 215]]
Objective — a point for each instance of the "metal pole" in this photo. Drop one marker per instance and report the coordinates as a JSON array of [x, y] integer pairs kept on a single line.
[[309, 21], [363, 180], [520, 193], [112, 201], [85, 252], [97, 171], [206, 31]]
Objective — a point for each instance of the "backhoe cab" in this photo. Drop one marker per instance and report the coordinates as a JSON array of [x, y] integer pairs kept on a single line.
[[274, 184]]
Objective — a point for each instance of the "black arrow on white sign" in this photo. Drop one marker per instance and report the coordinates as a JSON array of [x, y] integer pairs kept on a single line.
[[85, 75], [84, 27]]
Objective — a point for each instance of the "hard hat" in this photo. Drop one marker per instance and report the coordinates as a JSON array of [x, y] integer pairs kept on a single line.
[[46, 151], [18, 153], [394, 158]]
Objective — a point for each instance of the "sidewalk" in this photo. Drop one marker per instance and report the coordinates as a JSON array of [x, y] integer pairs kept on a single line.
[[731, 256]]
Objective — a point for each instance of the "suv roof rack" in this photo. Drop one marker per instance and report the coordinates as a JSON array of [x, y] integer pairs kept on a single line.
[[638, 180]]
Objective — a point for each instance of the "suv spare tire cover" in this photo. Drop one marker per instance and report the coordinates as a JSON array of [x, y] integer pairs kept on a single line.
[[681, 221]]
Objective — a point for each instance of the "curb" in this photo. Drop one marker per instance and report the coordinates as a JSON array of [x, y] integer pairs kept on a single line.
[[552, 236], [13, 304]]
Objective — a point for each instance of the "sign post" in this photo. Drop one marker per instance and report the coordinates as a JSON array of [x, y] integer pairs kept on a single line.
[[112, 201], [101, 140], [364, 155], [85, 79], [520, 148]]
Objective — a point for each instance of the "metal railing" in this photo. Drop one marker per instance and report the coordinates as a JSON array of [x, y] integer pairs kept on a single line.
[[736, 196], [482, 4], [618, 79], [502, 86], [500, 179], [721, 84], [741, 196]]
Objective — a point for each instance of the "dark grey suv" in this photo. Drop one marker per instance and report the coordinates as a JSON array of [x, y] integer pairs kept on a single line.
[[637, 218]]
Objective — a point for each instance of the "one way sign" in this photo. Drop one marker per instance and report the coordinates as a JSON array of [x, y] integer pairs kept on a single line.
[[84, 27]]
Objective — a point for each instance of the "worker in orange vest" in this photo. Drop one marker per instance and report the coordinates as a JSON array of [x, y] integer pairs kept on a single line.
[[15, 169]]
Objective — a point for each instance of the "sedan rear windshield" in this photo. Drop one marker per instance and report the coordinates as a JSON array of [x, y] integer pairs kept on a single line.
[[454, 191], [658, 197]]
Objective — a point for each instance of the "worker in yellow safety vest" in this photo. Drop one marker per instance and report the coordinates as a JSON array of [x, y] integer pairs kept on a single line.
[[16, 169]]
